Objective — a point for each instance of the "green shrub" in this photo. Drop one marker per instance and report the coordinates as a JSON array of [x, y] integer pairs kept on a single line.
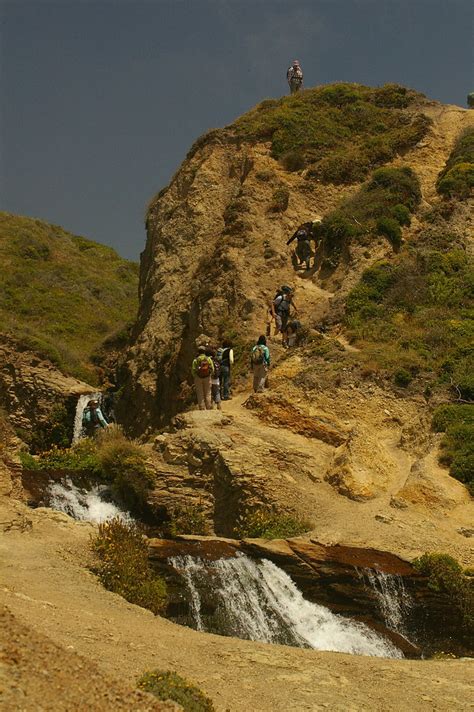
[[280, 199], [401, 185], [293, 161], [269, 524], [389, 228], [401, 214], [446, 576], [188, 519], [80, 459], [167, 685], [402, 377], [123, 464], [456, 180], [457, 446], [124, 567]]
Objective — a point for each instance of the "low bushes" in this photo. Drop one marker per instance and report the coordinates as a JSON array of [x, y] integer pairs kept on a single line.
[[381, 206], [413, 315], [456, 180], [166, 685], [457, 446], [447, 576], [269, 524], [123, 565], [280, 199], [187, 519], [340, 131]]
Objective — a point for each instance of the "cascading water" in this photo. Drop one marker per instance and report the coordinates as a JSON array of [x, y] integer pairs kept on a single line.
[[86, 505], [393, 600], [259, 601], [81, 404]]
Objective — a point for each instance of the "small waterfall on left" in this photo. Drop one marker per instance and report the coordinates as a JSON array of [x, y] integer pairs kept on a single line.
[[81, 404], [90, 505]]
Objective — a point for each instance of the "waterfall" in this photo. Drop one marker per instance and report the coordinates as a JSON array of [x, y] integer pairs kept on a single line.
[[393, 600], [256, 600], [81, 404], [87, 505]]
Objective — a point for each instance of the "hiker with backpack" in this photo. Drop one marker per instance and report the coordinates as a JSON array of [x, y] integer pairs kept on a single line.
[[294, 76], [280, 308], [215, 377], [225, 355], [260, 363], [93, 419], [202, 369], [303, 251]]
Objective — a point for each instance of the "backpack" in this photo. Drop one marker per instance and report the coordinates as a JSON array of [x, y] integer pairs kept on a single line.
[[217, 367], [282, 306], [90, 417], [258, 355], [204, 367]]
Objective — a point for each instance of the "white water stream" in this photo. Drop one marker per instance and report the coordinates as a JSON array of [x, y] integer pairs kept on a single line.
[[259, 601], [393, 600], [86, 505]]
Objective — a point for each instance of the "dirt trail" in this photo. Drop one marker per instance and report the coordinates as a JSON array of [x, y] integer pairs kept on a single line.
[[48, 590]]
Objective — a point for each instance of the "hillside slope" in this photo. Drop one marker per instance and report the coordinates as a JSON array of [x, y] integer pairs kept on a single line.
[[62, 295], [216, 249]]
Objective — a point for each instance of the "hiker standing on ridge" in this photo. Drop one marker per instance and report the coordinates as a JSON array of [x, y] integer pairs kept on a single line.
[[202, 370], [294, 76], [225, 355], [93, 419], [260, 362]]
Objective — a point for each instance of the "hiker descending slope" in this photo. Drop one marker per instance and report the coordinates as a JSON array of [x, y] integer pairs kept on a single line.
[[202, 370], [260, 362], [93, 419], [294, 76]]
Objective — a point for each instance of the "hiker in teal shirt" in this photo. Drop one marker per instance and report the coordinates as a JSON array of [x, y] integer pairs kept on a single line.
[[260, 362]]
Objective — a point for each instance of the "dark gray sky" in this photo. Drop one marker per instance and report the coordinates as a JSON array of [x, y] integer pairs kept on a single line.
[[101, 99]]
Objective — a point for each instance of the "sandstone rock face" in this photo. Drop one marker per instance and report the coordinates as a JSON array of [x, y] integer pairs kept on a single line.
[[30, 386], [214, 256]]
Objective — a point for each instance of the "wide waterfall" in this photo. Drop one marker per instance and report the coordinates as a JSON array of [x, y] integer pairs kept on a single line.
[[256, 600], [84, 504], [81, 404]]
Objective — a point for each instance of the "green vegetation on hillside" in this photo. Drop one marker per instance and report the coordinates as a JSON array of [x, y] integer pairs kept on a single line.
[[341, 131], [380, 207], [457, 447], [456, 180], [62, 295]]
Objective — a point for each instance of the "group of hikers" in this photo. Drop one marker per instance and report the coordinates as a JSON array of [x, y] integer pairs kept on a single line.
[[211, 369]]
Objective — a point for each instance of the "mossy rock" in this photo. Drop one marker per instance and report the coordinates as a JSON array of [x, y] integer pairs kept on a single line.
[[167, 685]]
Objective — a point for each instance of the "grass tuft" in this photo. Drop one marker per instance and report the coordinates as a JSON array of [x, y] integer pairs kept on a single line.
[[167, 685]]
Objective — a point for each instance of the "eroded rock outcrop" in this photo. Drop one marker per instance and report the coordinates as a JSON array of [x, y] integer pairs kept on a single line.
[[31, 387]]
